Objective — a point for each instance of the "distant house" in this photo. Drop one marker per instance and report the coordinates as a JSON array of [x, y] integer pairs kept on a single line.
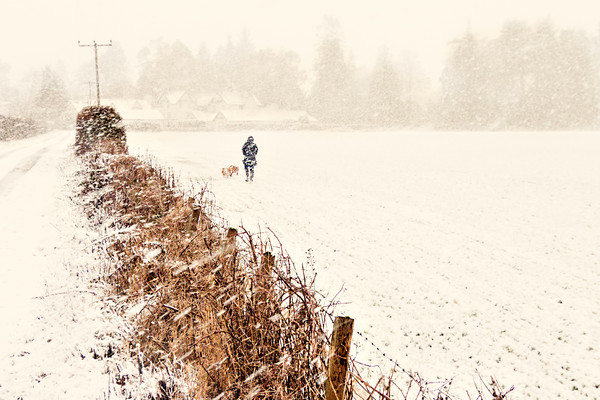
[[186, 109], [177, 107], [75, 107], [175, 99], [137, 114], [264, 117], [127, 104], [190, 110], [230, 100], [144, 119], [238, 101], [205, 118], [206, 101]]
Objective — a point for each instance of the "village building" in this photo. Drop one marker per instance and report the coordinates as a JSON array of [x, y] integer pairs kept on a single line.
[[184, 109]]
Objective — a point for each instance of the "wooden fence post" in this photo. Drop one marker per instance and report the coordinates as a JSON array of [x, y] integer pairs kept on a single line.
[[335, 386], [266, 268], [194, 217], [229, 249], [230, 238], [263, 277]]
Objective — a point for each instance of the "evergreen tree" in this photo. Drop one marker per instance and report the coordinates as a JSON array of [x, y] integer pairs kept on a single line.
[[207, 78], [278, 79], [564, 82], [6, 91], [115, 74], [463, 86], [542, 100], [415, 89], [357, 87], [236, 63], [51, 100], [540, 78], [332, 98], [165, 67], [579, 86], [512, 54], [384, 99]]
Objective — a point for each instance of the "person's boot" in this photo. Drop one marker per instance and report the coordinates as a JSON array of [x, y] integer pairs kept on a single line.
[[251, 176]]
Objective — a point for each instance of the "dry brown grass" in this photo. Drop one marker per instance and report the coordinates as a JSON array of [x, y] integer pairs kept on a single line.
[[218, 300]]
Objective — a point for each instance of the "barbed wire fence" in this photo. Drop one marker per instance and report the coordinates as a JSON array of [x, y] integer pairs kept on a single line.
[[399, 382], [404, 383]]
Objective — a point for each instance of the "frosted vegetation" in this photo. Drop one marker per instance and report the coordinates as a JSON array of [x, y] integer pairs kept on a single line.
[[529, 76]]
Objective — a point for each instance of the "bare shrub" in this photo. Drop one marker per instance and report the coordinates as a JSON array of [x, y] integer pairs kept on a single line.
[[100, 128], [18, 128], [216, 299]]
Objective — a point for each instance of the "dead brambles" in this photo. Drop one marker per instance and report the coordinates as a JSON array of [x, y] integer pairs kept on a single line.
[[218, 300], [17, 128], [100, 128]]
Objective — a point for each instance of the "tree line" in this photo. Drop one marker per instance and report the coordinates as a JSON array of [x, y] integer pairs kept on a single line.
[[528, 77]]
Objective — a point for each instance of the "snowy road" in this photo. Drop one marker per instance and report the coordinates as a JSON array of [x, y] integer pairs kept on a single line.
[[459, 253], [24, 242], [48, 322]]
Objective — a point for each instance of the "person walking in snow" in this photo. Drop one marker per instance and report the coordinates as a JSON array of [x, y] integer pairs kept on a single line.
[[249, 149]]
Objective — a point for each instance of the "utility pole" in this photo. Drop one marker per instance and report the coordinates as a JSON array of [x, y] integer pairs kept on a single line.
[[95, 46], [89, 93]]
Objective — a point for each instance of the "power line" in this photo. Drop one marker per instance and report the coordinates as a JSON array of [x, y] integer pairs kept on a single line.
[[95, 46]]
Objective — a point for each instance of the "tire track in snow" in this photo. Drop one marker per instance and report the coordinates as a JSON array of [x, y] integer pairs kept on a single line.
[[19, 167], [10, 179]]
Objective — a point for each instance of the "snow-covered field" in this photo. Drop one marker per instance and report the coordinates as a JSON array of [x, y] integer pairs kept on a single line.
[[458, 253]]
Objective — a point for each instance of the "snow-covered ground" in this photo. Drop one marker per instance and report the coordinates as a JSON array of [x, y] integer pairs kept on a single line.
[[42, 308], [55, 325], [458, 253]]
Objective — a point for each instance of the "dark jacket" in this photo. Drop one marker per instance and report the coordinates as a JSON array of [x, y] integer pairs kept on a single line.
[[250, 150]]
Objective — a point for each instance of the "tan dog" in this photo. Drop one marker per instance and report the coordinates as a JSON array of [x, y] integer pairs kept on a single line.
[[229, 171]]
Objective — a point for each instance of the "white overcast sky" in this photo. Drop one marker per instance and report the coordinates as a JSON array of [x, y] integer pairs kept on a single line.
[[35, 33]]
